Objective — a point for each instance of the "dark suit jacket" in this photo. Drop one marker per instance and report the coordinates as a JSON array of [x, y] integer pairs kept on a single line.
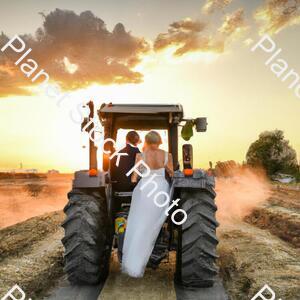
[[118, 174]]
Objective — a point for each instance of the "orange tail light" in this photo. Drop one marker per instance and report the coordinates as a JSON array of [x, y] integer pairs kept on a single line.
[[188, 172], [93, 172]]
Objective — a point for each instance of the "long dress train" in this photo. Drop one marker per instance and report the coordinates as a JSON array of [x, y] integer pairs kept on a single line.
[[144, 222]]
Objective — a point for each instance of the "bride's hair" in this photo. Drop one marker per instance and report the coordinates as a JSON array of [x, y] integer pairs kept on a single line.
[[153, 138]]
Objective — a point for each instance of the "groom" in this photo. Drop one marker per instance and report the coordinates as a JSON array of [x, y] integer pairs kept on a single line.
[[121, 182]]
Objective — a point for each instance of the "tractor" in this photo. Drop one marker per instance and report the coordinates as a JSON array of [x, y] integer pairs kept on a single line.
[[91, 211]]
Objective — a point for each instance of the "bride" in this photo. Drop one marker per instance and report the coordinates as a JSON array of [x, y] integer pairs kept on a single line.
[[145, 218]]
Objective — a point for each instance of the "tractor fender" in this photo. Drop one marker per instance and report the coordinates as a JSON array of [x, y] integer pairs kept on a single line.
[[199, 180], [82, 179]]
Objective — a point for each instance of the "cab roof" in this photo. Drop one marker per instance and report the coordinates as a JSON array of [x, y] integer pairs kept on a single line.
[[141, 108], [141, 116]]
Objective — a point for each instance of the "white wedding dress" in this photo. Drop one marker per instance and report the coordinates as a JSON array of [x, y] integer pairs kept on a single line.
[[144, 222]]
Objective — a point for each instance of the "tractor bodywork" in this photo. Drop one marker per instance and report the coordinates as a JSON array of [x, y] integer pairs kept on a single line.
[[92, 200]]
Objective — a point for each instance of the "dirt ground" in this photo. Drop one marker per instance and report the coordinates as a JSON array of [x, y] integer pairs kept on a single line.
[[30, 251], [31, 254], [280, 221], [251, 257], [262, 249], [156, 284], [14, 240], [266, 253]]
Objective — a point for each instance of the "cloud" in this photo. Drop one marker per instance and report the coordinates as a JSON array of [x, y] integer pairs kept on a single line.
[[213, 5], [190, 36], [276, 15], [187, 36], [188, 25], [233, 23], [76, 51]]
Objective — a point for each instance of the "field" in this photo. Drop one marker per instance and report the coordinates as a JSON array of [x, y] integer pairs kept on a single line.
[[259, 240]]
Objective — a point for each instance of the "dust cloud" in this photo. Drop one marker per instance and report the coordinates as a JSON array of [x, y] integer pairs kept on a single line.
[[239, 190], [23, 199]]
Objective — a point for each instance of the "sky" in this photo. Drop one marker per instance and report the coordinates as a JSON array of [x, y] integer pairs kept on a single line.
[[197, 53]]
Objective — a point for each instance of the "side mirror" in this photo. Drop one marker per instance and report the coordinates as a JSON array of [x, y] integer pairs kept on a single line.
[[200, 124]]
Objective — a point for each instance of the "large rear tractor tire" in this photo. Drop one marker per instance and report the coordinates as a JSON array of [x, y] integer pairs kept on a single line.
[[197, 241], [87, 239]]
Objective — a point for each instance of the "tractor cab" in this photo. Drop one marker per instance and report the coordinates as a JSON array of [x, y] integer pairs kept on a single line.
[[96, 210], [142, 117], [117, 119], [166, 118]]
